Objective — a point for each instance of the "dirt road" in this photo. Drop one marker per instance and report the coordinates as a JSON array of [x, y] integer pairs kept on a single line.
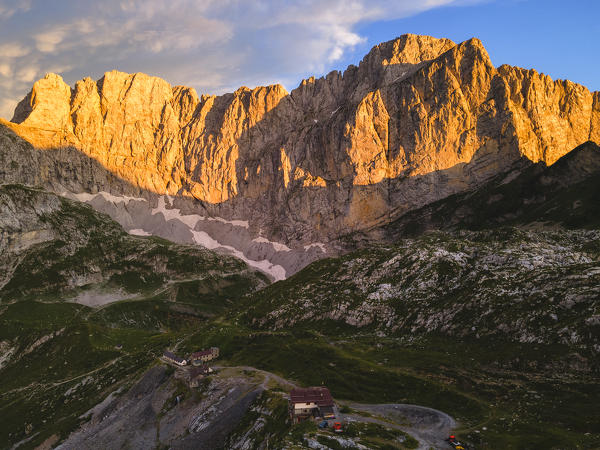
[[429, 426]]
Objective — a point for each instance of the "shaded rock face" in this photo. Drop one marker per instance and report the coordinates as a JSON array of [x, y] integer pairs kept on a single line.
[[419, 119], [147, 416]]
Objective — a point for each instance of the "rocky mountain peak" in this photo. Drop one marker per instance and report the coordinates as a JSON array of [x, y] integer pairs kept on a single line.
[[394, 60], [409, 49], [184, 102], [418, 120], [46, 104]]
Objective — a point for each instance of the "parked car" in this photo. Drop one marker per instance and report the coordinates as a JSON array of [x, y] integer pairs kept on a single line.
[[455, 443]]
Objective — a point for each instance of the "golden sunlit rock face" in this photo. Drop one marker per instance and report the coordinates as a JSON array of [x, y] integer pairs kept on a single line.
[[418, 119]]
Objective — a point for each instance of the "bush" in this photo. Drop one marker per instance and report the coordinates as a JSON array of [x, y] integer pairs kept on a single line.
[[299, 430]]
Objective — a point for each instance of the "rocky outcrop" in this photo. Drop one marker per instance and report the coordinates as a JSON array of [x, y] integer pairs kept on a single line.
[[417, 120], [549, 116], [528, 196], [52, 245], [508, 284]]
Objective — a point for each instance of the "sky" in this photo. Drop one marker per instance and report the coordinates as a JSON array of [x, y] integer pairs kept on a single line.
[[217, 46]]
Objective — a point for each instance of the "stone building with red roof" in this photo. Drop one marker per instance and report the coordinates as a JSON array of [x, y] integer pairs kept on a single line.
[[310, 402], [199, 358]]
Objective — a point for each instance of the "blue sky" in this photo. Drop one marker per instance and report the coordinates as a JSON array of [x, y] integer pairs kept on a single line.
[[559, 38], [219, 45]]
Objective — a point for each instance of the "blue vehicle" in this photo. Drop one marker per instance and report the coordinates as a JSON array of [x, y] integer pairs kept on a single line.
[[323, 424]]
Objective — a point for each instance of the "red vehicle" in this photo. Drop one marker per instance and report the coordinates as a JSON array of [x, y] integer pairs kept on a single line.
[[337, 427], [455, 443]]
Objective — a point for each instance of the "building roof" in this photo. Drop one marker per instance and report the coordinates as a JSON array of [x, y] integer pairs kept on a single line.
[[201, 353], [319, 395], [172, 356]]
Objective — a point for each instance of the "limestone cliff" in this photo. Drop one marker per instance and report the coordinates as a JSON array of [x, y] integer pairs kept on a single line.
[[419, 119]]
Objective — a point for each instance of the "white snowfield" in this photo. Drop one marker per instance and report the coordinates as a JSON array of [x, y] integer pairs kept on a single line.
[[198, 225], [204, 239], [235, 223], [276, 271], [85, 197], [169, 214], [139, 232], [276, 245], [316, 244]]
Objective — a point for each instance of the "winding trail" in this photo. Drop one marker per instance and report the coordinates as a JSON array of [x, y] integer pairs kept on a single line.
[[427, 425], [97, 369], [68, 380]]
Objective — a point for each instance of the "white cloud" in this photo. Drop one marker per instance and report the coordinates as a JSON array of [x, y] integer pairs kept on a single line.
[[9, 8], [47, 41], [329, 26], [212, 45], [5, 70], [341, 40], [149, 26], [28, 73], [13, 50]]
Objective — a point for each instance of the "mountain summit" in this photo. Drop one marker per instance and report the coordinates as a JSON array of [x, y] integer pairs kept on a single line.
[[417, 120]]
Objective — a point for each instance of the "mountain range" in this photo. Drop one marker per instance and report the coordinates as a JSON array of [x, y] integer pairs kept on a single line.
[[419, 119], [421, 229]]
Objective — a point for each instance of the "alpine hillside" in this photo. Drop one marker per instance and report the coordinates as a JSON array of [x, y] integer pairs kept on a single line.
[[419, 233], [417, 120]]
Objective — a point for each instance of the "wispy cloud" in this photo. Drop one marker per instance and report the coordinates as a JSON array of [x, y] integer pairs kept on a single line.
[[48, 41], [5, 70], [13, 50], [213, 45], [10, 8]]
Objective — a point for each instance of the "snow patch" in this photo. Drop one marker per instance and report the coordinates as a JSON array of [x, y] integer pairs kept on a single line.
[[190, 219], [169, 214], [139, 232], [202, 238], [85, 197], [275, 270], [235, 223], [279, 247], [316, 244]]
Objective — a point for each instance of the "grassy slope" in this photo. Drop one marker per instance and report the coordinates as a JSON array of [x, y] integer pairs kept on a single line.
[[46, 387], [61, 358], [537, 393], [510, 388], [489, 383], [507, 284]]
